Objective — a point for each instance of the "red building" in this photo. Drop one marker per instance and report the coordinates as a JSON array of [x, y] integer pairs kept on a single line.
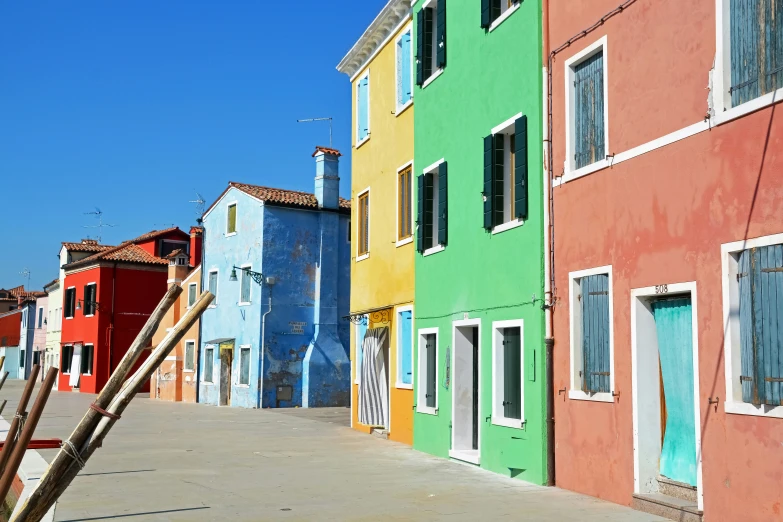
[[108, 297], [667, 214]]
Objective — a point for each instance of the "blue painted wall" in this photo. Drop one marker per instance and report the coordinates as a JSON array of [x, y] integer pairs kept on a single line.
[[11, 364]]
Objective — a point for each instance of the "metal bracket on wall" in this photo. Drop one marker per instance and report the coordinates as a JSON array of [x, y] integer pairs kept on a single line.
[[615, 393], [715, 401], [562, 392]]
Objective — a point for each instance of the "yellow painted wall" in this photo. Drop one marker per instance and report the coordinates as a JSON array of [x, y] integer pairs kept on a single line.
[[385, 278]]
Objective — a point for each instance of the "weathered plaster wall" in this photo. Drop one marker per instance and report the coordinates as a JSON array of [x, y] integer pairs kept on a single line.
[[39, 336], [26, 336], [11, 364]]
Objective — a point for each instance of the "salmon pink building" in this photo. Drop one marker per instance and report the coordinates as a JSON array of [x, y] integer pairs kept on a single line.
[[107, 298], [666, 213]]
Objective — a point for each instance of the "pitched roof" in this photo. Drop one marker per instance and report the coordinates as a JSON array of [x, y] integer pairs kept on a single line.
[[51, 283], [176, 253], [326, 150], [128, 251], [86, 245], [292, 198], [154, 234]]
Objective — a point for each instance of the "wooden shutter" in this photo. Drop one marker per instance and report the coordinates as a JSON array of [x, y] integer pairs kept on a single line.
[[429, 211], [405, 352], [443, 204], [432, 362], [486, 19], [406, 91], [488, 182], [512, 373], [232, 219], [520, 168], [747, 346], [589, 111], [498, 179], [427, 50], [595, 333], [363, 108], [400, 64], [420, 214], [420, 48], [441, 34], [756, 48]]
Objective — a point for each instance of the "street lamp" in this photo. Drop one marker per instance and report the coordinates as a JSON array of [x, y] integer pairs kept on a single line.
[[258, 277], [94, 304]]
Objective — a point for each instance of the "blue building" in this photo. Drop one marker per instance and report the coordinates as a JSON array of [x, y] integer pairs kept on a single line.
[[26, 334], [278, 262]]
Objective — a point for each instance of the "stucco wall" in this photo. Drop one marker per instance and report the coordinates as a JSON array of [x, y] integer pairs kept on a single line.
[[54, 326]]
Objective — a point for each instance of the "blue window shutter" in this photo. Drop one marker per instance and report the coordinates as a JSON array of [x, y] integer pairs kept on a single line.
[[767, 291], [407, 91], [595, 333], [405, 342], [486, 19], [589, 145], [420, 214], [441, 34], [432, 364], [443, 204], [747, 348], [488, 150], [520, 167], [400, 65], [364, 108], [361, 330], [512, 373], [498, 178], [420, 48]]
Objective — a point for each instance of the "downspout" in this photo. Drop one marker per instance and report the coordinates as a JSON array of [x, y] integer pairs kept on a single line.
[[200, 221], [263, 351]]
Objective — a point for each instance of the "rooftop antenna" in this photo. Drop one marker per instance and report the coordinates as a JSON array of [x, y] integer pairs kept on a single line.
[[199, 201], [329, 119], [97, 212], [26, 274]]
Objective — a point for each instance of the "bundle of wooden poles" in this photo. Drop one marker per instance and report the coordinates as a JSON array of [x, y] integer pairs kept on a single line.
[[108, 406]]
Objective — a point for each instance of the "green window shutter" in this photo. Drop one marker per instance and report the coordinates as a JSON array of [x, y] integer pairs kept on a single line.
[[427, 52], [488, 182], [443, 204], [432, 363], [512, 373], [486, 20], [420, 214], [498, 176], [520, 167], [441, 34], [420, 48], [429, 211], [232, 219], [595, 333]]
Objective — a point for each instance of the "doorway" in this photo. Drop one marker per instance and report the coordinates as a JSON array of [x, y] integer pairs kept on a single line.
[[374, 384], [465, 395], [667, 445], [226, 361]]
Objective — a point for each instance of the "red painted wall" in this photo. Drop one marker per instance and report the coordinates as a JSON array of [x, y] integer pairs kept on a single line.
[[152, 245], [10, 327], [661, 218]]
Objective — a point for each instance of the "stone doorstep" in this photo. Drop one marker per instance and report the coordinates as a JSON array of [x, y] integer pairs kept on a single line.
[[676, 489], [668, 507], [381, 433]]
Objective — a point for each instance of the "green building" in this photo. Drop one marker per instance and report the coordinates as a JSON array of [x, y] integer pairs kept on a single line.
[[480, 384]]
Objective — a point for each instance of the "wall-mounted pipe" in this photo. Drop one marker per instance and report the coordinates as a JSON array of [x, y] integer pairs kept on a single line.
[[263, 351]]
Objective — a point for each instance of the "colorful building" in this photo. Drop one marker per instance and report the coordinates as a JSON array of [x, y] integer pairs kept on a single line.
[[39, 333], [668, 254], [380, 66], [26, 335], [175, 379], [108, 297], [9, 342], [278, 262], [54, 320], [480, 381]]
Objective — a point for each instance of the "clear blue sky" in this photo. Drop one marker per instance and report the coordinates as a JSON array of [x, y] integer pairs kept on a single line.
[[134, 106]]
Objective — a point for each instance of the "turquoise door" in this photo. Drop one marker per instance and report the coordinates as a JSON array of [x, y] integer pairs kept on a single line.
[[673, 323]]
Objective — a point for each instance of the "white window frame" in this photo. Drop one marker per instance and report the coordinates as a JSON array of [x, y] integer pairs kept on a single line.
[[358, 377], [409, 239], [249, 349], [401, 108], [575, 324], [601, 45], [398, 382], [436, 71], [362, 257], [209, 349], [195, 295], [67, 371], [74, 301], [721, 80], [40, 318], [498, 380], [93, 283], [244, 274], [92, 362], [22, 357], [360, 142], [434, 170], [185, 369], [236, 221], [507, 128], [505, 12], [215, 271], [732, 350], [421, 387]]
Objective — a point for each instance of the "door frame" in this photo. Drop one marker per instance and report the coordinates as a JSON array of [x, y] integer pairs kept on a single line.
[[475, 323], [645, 380]]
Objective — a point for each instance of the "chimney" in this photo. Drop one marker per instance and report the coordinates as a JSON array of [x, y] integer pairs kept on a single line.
[[178, 266], [327, 177], [196, 238]]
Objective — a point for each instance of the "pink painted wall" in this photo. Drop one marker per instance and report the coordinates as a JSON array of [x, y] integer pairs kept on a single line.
[[661, 218]]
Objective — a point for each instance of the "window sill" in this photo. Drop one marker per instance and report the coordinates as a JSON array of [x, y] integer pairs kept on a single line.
[[471, 457], [212, 306], [507, 423], [362, 142], [405, 241], [208, 383], [432, 78], [584, 171], [403, 108], [403, 386], [743, 408], [362, 257], [749, 106], [427, 411], [244, 304], [229, 234], [68, 318], [90, 315], [433, 250], [188, 371], [500, 19], [508, 226], [242, 386], [579, 395]]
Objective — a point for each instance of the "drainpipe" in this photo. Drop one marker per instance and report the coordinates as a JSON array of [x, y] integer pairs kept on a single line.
[[263, 351], [200, 221]]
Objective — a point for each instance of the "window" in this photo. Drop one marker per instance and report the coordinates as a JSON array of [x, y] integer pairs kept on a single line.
[[507, 364], [22, 357], [24, 318], [190, 356], [182, 261], [592, 338], [430, 41], [586, 93], [245, 286], [405, 347], [756, 56], [167, 246], [231, 219], [348, 231], [212, 285], [505, 174], [495, 11], [67, 357], [404, 75], [70, 302], [404, 226], [244, 365], [209, 363], [428, 371], [87, 353], [191, 294], [364, 225], [363, 109], [432, 217], [40, 317], [361, 330], [90, 296]]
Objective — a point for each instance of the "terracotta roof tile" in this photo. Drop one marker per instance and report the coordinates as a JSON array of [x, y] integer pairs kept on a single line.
[[86, 245], [154, 234], [293, 198], [327, 150], [176, 253], [128, 251]]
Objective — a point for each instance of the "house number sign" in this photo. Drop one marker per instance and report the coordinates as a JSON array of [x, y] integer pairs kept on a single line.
[[662, 289], [297, 327]]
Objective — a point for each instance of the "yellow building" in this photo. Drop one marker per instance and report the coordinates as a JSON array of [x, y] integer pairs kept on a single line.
[[380, 66]]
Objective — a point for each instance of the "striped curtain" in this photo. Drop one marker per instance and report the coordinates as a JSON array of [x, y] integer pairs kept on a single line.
[[373, 388]]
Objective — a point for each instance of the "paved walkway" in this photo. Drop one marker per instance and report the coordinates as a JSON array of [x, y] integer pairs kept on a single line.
[[174, 461]]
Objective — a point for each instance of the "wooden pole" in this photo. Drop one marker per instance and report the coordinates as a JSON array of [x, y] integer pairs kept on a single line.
[[30, 424], [10, 438], [2, 406], [2, 361], [45, 495], [2, 381], [89, 422]]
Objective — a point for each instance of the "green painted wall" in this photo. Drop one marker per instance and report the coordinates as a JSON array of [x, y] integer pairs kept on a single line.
[[489, 77]]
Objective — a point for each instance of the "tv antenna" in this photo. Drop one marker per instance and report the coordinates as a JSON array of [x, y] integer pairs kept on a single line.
[[26, 274], [199, 201], [329, 119], [99, 214]]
